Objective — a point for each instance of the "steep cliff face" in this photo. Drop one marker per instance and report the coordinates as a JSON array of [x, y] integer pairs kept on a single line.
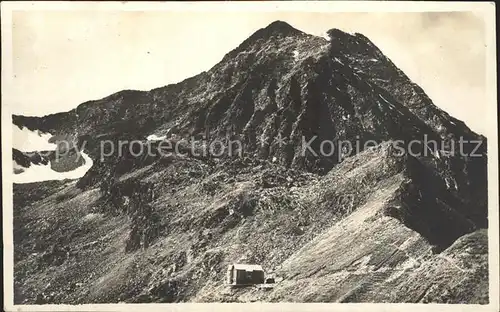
[[365, 224]]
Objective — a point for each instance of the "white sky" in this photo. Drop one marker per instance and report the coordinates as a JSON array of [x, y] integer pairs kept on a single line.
[[64, 58]]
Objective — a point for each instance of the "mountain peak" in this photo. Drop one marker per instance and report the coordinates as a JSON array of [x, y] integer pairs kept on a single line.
[[281, 28], [276, 28]]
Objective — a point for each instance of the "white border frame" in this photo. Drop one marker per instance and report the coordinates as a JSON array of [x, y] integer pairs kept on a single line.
[[487, 9]]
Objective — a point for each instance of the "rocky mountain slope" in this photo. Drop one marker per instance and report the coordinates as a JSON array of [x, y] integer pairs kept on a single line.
[[372, 225]]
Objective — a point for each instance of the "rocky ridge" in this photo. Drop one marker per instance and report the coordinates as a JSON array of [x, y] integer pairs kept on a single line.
[[371, 226]]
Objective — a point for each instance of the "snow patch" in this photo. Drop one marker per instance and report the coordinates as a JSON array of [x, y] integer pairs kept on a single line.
[[40, 173], [338, 61], [17, 167], [383, 98], [154, 137], [447, 183], [295, 54], [379, 79], [26, 140], [451, 183], [358, 70], [437, 154]]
